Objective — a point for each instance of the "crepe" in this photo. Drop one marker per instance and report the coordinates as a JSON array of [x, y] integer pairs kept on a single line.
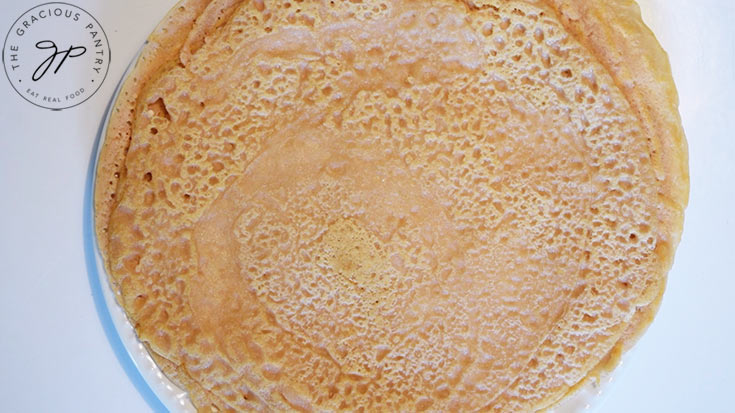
[[392, 206]]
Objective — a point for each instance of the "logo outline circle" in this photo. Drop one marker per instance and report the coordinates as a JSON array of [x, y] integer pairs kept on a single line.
[[107, 69]]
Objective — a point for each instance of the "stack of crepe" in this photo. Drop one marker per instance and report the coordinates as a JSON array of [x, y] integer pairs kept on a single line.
[[403, 205]]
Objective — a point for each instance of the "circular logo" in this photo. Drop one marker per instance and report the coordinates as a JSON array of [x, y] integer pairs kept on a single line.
[[56, 55]]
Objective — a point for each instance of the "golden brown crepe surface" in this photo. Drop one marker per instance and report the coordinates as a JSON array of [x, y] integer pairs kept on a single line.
[[403, 205]]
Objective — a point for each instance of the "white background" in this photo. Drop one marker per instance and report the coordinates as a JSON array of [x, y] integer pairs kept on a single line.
[[54, 356]]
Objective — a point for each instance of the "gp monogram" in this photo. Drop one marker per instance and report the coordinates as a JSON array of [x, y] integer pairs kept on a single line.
[[56, 55]]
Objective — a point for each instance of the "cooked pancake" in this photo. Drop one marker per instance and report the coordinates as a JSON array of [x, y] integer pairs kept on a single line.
[[392, 205]]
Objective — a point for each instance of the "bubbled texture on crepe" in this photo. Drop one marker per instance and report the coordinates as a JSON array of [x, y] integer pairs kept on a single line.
[[398, 205]]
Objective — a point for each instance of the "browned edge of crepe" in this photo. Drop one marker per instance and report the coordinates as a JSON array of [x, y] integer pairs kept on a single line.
[[641, 70]]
